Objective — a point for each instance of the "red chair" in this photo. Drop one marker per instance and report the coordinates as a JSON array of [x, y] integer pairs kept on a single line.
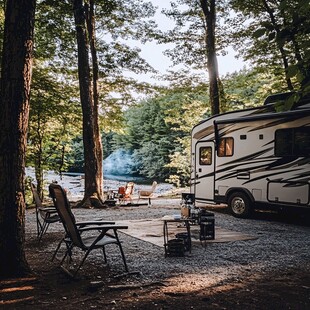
[[125, 193]]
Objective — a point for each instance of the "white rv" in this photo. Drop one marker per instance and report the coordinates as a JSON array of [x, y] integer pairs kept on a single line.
[[253, 158]]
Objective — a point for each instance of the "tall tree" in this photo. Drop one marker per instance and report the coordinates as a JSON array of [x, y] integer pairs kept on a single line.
[[117, 21], [91, 136], [14, 110], [197, 40], [209, 11]]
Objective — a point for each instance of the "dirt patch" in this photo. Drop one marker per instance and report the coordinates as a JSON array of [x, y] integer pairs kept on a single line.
[[51, 288]]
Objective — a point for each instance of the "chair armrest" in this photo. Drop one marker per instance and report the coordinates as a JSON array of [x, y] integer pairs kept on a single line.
[[103, 227], [48, 209], [94, 222]]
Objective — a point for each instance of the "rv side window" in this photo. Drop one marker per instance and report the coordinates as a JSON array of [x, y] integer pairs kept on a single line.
[[292, 142], [226, 147], [205, 155]]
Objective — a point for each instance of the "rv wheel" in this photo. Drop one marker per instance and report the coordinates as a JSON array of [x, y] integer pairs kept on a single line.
[[239, 204]]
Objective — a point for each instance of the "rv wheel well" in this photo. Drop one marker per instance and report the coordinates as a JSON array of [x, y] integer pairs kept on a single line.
[[239, 189]]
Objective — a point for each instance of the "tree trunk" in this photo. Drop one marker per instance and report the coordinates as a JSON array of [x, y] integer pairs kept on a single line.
[[208, 8], [93, 164], [14, 113], [92, 40]]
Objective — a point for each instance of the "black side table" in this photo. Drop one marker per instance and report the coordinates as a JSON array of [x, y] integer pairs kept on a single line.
[[170, 219]]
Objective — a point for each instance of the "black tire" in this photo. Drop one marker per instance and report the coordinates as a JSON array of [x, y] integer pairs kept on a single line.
[[240, 205]]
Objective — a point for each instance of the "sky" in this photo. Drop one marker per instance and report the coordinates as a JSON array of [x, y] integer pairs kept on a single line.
[[153, 52]]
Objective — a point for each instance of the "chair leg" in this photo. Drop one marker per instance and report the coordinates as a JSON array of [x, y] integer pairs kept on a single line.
[[57, 249], [39, 231], [69, 246], [82, 262], [104, 255], [122, 252], [123, 256], [39, 225], [43, 230]]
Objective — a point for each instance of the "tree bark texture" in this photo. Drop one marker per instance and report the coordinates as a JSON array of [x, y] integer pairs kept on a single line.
[[14, 112], [95, 67], [209, 10], [92, 162]]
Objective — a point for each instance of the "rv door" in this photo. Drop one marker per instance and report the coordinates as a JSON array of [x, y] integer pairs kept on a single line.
[[204, 170]]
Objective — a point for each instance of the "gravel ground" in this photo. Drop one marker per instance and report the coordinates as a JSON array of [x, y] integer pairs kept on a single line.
[[279, 245], [281, 248]]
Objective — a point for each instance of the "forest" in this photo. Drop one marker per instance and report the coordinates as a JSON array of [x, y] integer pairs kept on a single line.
[[85, 105], [153, 127], [152, 130]]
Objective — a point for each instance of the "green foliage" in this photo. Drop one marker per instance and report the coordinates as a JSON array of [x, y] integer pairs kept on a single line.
[[74, 156], [107, 139], [157, 131], [117, 23], [148, 137], [275, 37], [55, 33], [188, 36], [55, 118], [179, 163], [249, 88]]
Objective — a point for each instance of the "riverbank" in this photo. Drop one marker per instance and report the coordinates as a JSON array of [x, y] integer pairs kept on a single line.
[[74, 184]]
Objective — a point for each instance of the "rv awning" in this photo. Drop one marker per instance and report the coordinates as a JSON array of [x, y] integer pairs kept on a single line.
[[286, 115]]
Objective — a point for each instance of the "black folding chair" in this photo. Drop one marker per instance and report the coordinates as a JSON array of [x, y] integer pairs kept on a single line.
[[44, 215], [76, 233]]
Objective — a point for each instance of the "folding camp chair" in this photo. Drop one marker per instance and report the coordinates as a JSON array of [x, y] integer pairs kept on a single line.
[[147, 194], [125, 193], [76, 234], [44, 215]]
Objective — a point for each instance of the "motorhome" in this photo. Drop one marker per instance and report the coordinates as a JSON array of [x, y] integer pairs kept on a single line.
[[251, 158]]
